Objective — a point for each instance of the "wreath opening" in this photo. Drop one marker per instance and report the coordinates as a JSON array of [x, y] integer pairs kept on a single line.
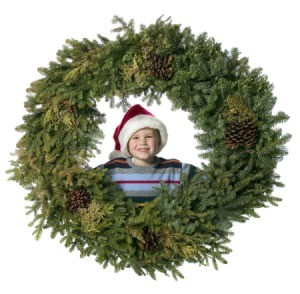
[[230, 105]]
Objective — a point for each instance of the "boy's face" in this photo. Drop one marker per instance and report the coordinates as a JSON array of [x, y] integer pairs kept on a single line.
[[143, 146]]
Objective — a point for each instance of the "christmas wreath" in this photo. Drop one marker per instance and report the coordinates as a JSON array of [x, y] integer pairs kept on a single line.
[[229, 104]]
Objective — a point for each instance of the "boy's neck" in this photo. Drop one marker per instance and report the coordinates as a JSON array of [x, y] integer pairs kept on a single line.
[[140, 162]]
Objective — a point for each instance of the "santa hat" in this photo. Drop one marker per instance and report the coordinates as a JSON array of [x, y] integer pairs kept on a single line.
[[136, 118]]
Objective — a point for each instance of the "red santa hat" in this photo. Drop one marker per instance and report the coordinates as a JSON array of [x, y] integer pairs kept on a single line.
[[136, 118]]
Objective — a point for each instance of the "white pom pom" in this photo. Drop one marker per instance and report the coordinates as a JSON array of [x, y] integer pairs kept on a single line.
[[116, 153]]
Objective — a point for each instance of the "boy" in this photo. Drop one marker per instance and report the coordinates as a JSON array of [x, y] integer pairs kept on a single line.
[[134, 165]]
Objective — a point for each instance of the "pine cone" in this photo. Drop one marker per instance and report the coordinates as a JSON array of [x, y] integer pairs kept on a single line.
[[150, 240], [241, 133], [70, 108], [241, 124], [76, 199], [159, 66]]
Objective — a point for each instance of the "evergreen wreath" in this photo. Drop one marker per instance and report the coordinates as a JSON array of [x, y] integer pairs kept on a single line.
[[229, 103]]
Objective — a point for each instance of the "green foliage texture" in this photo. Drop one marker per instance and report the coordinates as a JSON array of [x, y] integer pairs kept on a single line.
[[193, 221]]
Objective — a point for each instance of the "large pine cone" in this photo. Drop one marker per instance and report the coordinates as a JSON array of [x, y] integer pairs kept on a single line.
[[159, 66], [70, 108], [241, 124], [241, 133], [76, 199], [151, 241]]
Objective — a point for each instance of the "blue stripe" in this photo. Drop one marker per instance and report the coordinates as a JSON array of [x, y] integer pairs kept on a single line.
[[145, 177], [135, 187]]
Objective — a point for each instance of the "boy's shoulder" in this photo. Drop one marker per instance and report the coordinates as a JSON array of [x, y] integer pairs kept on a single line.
[[175, 163], [120, 162], [169, 162]]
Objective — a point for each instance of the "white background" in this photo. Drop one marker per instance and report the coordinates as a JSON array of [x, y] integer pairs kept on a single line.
[[265, 257]]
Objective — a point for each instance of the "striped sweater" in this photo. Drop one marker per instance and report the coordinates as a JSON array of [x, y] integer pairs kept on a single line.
[[138, 181]]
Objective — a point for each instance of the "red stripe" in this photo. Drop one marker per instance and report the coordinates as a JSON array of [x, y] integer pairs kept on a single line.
[[170, 160], [147, 182]]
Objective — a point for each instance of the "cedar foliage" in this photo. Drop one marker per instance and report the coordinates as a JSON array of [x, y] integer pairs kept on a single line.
[[190, 223]]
